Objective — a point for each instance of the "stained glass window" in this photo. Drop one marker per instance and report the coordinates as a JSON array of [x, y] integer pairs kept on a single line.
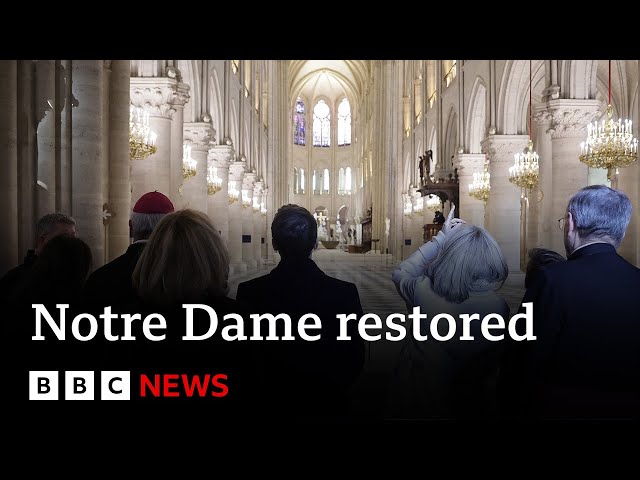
[[299, 124], [325, 186], [296, 182], [347, 180], [321, 124], [301, 189], [344, 123]]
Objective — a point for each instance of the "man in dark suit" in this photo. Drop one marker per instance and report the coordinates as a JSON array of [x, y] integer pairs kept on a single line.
[[48, 227], [308, 378], [111, 283], [585, 361]]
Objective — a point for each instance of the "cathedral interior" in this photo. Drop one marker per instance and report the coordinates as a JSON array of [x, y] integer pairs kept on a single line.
[[373, 148]]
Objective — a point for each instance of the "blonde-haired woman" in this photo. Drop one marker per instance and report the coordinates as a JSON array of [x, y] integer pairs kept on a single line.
[[457, 272], [186, 262]]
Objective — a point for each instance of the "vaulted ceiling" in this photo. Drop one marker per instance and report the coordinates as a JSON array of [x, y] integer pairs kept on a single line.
[[313, 76]]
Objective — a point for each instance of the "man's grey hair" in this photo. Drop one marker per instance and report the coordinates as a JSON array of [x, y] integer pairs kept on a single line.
[[142, 224], [46, 223], [600, 213], [470, 261]]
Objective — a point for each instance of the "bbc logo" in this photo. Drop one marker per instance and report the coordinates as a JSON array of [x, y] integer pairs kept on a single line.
[[79, 385]]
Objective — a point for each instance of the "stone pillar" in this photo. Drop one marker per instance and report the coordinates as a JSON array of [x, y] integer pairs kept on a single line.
[[119, 204], [9, 256], [569, 120], [547, 225], [27, 161], [46, 139], [503, 220], [87, 200], [248, 236], [177, 142], [220, 156], [159, 97], [258, 222], [199, 135], [236, 174], [470, 208]]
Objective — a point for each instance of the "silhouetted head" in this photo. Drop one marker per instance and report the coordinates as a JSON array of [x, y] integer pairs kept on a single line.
[[538, 257], [469, 261], [52, 225], [60, 271], [294, 232], [185, 260]]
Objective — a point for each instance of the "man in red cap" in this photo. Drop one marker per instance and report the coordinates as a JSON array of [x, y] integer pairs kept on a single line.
[[111, 284]]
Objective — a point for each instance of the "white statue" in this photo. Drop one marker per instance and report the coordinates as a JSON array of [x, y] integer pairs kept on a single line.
[[387, 226]]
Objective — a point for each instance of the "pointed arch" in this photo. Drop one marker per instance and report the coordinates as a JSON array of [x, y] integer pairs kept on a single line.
[[215, 104], [450, 140], [477, 116]]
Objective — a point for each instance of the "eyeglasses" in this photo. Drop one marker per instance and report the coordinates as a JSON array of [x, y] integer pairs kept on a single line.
[[561, 223]]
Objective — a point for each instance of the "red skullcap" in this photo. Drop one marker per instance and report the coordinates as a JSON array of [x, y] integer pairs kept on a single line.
[[153, 202]]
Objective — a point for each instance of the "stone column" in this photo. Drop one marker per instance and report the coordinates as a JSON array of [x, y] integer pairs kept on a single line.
[[9, 256], [547, 225], [199, 135], [503, 220], [470, 208], [27, 161], [220, 156], [46, 139], [248, 236], [236, 174], [258, 222], [88, 198], [119, 204], [569, 119], [177, 142], [158, 96]]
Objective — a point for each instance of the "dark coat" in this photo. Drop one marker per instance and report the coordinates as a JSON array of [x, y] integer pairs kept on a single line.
[[111, 283], [313, 378], [16, 277], [585, 361]]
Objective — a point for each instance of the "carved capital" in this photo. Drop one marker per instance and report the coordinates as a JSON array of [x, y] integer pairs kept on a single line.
[[258, 187], [249, 180], [500, 148], [236, 171], [469, 162], [569, 117], [159, 96], [200, 135], [221, 155], [107, 64]]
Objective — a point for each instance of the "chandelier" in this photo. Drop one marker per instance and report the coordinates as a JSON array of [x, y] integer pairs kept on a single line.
[[610, 144], [247, 201], [188, 163], [433, 203], [141, 139], [408, 206], [525, 170], [234, 193], [214, 183], [419, 206], [481, 187]]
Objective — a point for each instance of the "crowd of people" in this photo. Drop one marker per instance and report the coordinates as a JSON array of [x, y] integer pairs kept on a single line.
[[584, 362]]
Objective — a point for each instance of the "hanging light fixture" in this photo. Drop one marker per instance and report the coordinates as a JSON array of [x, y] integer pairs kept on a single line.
[[141, 139], [481, 186], [214, 182], [188, 163], [525, 170], [611, 144]]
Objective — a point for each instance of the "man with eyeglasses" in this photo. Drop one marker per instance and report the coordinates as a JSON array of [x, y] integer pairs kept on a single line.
[[585, 361]]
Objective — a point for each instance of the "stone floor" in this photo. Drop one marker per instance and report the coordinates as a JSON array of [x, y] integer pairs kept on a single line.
[[372, 275]]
